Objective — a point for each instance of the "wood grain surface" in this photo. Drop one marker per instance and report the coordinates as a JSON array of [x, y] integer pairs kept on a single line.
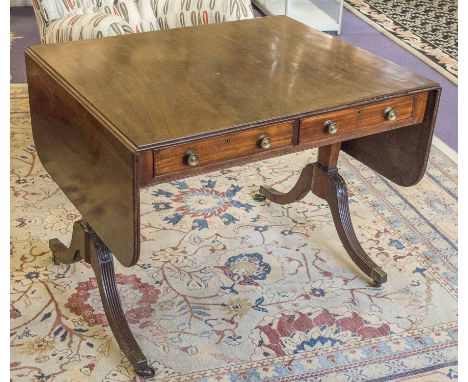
[[364, 120], [166, 86], [94, 170], [222, 148], [400, 155]]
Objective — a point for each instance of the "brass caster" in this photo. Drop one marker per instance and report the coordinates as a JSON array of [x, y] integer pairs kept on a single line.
[[147, 372], [259, 197], [379, 276]]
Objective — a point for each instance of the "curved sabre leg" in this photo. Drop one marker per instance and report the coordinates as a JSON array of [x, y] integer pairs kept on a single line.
[[86, 245], [101, 259], [298, 192], [330, 185], [323, 179]]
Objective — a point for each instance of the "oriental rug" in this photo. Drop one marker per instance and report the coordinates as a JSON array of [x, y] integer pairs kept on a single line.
[[427, 28], [230, 289]]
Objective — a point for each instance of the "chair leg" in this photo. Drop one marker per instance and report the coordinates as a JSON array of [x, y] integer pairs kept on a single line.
[[88, 246]]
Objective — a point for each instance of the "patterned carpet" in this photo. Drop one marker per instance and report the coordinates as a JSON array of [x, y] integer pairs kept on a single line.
[[427, 28], [228, 289]]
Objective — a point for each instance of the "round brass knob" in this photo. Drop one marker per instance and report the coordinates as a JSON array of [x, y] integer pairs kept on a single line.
[[331, 127], [390, 113], [191, 158], [264, 141]]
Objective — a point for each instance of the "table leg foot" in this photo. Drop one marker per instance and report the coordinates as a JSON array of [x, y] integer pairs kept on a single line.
[[298, 192], [329, 185], [101, 260], [147, 372]]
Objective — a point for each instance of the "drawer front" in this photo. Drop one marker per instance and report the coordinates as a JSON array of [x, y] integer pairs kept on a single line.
[[363, 120], [221, 148]]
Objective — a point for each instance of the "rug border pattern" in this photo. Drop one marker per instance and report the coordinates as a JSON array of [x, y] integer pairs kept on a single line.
[[399, 34]]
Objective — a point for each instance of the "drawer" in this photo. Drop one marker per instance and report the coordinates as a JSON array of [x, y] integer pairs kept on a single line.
[[222, 148], [363, 120]]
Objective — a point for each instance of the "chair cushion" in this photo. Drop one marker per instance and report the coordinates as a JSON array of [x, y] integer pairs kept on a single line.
[[184, 13], [147, 13], [58, 9], [87, 26], [131, 12]]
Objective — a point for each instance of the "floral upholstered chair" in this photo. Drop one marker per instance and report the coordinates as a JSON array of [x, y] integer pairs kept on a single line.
[[69, 20]]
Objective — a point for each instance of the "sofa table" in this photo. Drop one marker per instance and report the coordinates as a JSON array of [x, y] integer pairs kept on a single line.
[[113, 115]]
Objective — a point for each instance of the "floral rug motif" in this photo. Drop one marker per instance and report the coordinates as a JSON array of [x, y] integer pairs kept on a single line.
[[427, 28], [231, 289]]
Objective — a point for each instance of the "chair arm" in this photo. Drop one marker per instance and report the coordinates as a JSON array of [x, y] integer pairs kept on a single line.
[[86, 26]]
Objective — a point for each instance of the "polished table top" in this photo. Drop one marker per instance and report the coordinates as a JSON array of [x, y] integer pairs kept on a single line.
[[162, 86]]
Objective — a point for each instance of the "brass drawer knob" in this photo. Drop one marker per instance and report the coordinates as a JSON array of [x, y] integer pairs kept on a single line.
[[191, 158], [264, 141], [390, 113], [331, 127]]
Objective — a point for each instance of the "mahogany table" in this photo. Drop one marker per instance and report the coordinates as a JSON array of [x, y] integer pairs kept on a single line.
[[113, 115]]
